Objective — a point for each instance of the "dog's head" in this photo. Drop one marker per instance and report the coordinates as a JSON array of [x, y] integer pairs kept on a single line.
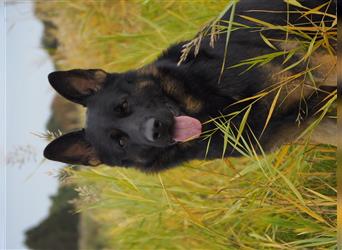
[[130, 120]]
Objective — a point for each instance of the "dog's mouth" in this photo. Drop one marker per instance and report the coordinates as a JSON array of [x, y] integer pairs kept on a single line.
[[186, 128]]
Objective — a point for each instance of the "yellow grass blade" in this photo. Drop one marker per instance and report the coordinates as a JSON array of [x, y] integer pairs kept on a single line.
[[164, 190], [262, 23], [229, 31], [294, 3], [303, 208], [315, 10], [272, 108], [258, 96], [281, 155], [243, 124], [267, 42]]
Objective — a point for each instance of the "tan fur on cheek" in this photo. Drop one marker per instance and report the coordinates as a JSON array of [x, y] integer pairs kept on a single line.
[[170, 87], [148, 70], [144, 84], [193, 105], [176, 90]]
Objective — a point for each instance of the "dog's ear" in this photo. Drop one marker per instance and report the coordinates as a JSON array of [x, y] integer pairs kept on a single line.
[[77, 84], [72, 148]]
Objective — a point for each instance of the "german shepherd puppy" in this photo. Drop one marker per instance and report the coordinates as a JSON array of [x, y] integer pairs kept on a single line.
[[152, 118]]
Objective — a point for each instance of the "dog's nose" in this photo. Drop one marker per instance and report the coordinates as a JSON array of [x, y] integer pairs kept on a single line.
[[154, 130]]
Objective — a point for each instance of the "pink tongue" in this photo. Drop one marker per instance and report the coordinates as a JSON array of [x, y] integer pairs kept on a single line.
[[186, 128]]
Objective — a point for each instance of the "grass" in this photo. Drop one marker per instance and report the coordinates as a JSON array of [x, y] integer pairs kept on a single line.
[[103, 31], [285, 200]]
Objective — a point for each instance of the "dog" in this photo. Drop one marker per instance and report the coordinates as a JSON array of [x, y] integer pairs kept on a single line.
[[157, 116]]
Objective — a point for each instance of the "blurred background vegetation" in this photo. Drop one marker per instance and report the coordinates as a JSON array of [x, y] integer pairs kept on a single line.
[[286, 200]]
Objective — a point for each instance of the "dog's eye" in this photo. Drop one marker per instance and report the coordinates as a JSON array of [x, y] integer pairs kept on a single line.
[[122, 108], [122, 141]]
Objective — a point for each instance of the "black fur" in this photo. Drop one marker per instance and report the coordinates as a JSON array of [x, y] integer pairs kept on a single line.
[[119, 105]]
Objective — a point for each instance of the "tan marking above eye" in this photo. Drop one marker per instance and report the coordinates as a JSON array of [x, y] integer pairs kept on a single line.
[[192, 104], [149, 70], [94, 162], [170, 86], [100, 76], [176, 90], [144, 84]]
